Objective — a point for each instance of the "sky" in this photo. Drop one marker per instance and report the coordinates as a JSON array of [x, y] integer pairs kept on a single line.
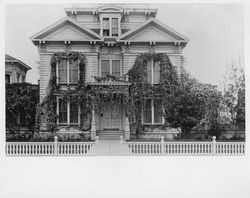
[[216, 33]]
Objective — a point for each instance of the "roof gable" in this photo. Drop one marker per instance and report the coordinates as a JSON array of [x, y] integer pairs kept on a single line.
[[155, 31], [67, 32], [151, 33], [66, 29]]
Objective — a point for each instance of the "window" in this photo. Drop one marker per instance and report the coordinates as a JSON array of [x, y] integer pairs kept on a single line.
[[152, 112], [18, 78], [112, 67], [7, 78], [21, 117], [68, 112], [114, 27], [67, 71], [23, 78], [153, 72], [105, 26], [110, 26]]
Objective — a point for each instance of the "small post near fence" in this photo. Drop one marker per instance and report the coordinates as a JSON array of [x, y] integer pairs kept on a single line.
[[121, 144], [96, 139], [55, 146], [162, 145], [214, 145]]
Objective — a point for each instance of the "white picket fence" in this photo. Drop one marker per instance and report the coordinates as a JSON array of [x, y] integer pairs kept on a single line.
[[126, 148], [185, 148], [47, 148]]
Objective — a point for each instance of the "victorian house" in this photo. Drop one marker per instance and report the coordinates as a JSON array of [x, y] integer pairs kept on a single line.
[[105, 41]]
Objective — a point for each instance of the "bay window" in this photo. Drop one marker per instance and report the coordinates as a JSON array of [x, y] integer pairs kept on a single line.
[[153, 72], [67, 71], [152, 112], [112, 67], [68, 112]]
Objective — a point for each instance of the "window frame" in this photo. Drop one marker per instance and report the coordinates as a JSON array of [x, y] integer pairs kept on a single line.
[[152, 114], [110, 65], [9, 76], [152, 63], [68, 74], [110, 17], [68, 114]]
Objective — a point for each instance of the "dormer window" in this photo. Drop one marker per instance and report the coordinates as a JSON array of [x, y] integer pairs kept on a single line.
[[110, 25]]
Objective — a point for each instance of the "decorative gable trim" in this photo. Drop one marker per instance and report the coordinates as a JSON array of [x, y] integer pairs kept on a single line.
[[173, 35], [59, 24]]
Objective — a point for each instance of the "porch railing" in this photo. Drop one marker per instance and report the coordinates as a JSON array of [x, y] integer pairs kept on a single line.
[[184, 148], [47, 148]]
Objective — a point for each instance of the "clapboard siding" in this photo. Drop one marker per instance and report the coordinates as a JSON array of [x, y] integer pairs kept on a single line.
[[68, 33], [166, 48], [92, 67], [176, 61], [128, 61], [151, 34], [57, 47], [44, 70]]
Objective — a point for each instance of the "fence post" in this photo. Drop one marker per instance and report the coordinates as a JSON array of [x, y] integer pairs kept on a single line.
[[55, 146], [121, 145], [162, 145], [214, 145], [96, 139]]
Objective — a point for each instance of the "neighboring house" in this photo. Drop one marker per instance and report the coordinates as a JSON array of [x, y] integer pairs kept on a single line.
[[111, 37], [15, 79], [15, 70]]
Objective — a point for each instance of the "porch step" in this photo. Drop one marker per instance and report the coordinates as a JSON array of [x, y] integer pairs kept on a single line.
[[109, 134]]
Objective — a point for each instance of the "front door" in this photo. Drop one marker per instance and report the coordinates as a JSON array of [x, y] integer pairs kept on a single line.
[[111, 117]]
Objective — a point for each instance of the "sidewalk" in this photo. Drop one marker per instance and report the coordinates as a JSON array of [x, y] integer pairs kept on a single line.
[[109, 147]]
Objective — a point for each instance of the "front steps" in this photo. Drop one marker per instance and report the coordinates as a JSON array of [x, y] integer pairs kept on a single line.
[[109, 134]]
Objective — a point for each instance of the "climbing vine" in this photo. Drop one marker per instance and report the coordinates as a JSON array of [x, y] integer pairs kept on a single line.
[[21, 101], [171, 90], [141, 90]]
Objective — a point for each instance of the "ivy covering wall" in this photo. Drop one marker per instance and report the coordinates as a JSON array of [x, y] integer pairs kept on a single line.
[[171, 90]]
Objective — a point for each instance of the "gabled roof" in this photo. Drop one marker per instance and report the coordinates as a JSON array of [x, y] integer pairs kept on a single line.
[[43, 34], [171, 34], [11, 59]]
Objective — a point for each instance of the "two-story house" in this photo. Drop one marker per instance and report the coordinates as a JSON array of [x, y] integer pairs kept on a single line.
[[110, 38]]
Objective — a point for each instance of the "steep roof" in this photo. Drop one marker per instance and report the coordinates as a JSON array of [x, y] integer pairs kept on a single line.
[[11, 59]]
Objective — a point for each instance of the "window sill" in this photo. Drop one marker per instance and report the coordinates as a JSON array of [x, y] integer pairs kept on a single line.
[[76, 83], [152, 124]]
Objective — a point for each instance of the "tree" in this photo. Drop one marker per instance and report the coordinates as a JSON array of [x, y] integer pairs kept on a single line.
[[233, 100], [194, 103]]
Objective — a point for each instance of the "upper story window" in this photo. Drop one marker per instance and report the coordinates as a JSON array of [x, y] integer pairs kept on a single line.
[[153, 72], [67, 71], [111, 66], [7, 78], [110, 26]]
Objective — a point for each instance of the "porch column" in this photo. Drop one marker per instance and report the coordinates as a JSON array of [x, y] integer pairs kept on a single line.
[[93, 125], [127, 130]]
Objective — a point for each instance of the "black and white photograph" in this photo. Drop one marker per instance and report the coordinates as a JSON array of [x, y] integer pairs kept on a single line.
[[94, 88]]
